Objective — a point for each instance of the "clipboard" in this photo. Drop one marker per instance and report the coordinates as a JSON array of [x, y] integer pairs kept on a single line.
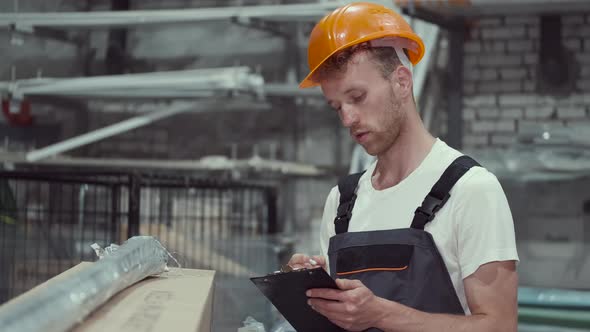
[[286, 291]]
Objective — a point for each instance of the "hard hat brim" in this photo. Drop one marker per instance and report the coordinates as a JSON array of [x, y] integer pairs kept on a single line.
[[308, 82]]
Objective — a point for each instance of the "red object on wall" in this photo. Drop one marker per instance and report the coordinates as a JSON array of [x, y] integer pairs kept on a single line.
[[17, 112]]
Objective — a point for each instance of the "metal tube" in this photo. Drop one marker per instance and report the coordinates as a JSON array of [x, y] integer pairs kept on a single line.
[[188, 79], [305, 12], [96, 135]]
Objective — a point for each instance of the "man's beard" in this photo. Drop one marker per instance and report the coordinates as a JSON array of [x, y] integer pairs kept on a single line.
[[394, 121]]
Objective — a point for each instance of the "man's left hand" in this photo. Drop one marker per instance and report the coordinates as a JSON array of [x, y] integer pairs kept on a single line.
[[353, 307]]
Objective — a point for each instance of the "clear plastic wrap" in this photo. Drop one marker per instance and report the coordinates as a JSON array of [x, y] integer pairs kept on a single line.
[[252, 325], [65, 302]]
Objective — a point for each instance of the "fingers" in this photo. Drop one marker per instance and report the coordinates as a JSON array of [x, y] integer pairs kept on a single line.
[[327, 306], [299, 261], [346, 284], [325, 293], [320, 261], [332, 309]]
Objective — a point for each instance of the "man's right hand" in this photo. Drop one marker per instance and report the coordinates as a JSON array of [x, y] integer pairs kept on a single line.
[[300, 261]]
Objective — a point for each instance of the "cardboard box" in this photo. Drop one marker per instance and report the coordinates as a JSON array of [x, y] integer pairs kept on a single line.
[[180, 301]]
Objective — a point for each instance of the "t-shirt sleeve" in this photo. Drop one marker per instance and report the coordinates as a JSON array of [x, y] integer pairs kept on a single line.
[[484, 225], [327, 226]]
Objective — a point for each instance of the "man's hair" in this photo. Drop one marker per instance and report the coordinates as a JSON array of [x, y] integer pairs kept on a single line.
[[384, 58]]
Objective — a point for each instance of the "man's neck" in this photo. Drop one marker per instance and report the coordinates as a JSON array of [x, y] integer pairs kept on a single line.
[[408, 152]]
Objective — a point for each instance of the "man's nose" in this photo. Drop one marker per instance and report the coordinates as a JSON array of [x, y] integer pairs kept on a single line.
[[348, 116]]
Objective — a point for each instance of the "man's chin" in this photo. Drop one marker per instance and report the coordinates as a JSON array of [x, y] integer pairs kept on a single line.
[[371, 151]]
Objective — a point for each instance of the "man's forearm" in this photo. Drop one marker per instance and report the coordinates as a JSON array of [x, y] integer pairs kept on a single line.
[[401, 318]]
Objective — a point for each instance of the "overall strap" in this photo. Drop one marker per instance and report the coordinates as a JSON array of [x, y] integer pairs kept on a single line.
[[347, 187], [439, 194]]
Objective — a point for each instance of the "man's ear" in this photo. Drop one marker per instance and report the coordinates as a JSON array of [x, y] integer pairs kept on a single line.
[[403, 77]]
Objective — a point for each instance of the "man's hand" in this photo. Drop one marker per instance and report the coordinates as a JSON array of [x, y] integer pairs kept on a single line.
[[353, 307], [300, 261]]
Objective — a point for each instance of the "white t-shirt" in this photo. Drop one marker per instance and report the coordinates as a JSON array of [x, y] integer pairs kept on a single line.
[[474, 227]]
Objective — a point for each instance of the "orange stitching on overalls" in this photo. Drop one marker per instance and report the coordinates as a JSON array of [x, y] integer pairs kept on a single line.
[[373, 269]]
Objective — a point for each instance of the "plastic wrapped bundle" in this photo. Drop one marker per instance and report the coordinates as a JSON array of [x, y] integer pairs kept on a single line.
[[554, 298], [67, 301], [554, 307]]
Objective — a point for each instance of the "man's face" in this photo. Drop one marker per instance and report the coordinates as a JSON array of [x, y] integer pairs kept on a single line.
[[366, 104]]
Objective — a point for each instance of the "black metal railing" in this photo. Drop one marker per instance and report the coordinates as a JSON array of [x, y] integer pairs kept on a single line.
[[49, 219]]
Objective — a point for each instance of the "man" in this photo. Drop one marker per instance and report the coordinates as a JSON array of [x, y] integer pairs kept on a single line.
[[424, 239]]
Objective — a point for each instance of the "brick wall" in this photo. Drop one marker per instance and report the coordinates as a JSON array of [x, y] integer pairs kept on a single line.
[[500, 79]]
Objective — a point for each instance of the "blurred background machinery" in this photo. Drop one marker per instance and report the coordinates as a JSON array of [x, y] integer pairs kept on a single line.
[[182, 119]]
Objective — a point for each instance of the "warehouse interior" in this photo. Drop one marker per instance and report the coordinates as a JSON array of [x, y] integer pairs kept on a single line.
[[183, 120]]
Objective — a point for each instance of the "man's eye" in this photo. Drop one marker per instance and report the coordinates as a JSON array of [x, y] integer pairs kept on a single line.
[[358, 99]]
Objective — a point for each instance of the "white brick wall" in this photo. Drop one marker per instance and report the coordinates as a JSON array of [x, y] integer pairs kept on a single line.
[[488, 113], [571, 112], [499, 59], [533, 32], [539, 112], [531, 59], [518, 100], [578, 99], [583, 58], [513, 73], [474, 140], [500, 86], [472, 47], [583, 31], [520, 45], [529, 86], [503, 140], [468, 114], [512, 113], [500, 79], [573, 19], [490, 21], [574, 44], [489, 126], [503, 32], [583, 85], [478, 101], [469, 88], [498, 46], [521, 20]]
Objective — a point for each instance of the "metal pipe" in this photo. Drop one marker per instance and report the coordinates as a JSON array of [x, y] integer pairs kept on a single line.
[[229, 77], [304, 12], [96, 135], [475, 8]]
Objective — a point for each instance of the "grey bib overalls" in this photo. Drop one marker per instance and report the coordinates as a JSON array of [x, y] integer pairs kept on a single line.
[[401, 265]]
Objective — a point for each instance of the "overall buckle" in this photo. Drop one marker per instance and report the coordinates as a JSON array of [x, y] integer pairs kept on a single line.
[[431, 205]]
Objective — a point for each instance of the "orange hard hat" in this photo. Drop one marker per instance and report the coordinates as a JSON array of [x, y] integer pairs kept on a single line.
[[353, 24]]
